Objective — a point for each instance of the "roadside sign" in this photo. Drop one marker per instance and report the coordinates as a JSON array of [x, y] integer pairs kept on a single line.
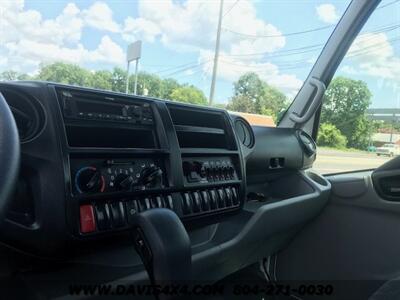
[[134, 51]]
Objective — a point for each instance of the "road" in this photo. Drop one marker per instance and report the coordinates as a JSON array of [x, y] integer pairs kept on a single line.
[[336, 161]]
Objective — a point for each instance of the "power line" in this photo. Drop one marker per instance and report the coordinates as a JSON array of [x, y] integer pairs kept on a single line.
[[192, 63], [229, 10], [256, 36], [310, 48], [374, 47], [282, 53], [387, 4], [296, 32], [187, 68]]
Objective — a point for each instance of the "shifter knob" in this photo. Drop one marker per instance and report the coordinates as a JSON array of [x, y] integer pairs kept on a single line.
[[163, 245]]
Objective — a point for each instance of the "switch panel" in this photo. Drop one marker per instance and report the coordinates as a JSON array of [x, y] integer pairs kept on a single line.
[[209, 201], [203, 170]]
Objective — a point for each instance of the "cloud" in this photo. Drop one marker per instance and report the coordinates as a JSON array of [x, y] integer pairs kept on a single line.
[[327, 13], [27, 40], [373, 55], [100, 16], [107, 52], [191, 26], [18, 23], [231, 69], [349, 70], [140, 29]]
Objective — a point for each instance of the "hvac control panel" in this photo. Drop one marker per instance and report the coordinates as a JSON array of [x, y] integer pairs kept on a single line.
[[115, 175], [132, 185]]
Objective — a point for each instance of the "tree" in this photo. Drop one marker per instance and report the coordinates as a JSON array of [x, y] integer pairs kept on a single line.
[[151, 82], [344, 105], [13, 75], [168, 86], [189, 94], [101, 80], [242, 103], [114, 80], [65, 73], [330, 136], [118, 80], [253, 95]]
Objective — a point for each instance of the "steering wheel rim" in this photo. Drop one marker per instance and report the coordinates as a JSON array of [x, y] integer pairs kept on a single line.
[[9, 155]]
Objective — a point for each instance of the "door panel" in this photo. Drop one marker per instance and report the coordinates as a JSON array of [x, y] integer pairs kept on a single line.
[[356, 238]]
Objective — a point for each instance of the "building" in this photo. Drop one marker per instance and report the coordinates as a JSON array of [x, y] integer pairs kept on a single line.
[[379, 139], [257, 120]]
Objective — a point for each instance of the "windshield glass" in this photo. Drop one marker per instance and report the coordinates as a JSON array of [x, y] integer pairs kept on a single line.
[[246, 56]]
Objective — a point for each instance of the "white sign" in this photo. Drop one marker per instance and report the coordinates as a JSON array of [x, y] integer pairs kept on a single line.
[[134, 51]]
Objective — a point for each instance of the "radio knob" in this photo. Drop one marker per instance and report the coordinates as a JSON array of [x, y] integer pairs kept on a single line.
[[89, 180]]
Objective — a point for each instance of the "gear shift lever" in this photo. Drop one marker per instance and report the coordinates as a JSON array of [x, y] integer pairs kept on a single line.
[[163, 245]]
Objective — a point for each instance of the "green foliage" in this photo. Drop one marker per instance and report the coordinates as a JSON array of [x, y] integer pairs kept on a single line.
[[13, 75], [118, 80], [330, 136], [169, 85], [219, 105], [345, 104], [189, 94], [148, 84], [252, 95], [101, 80], [242, 103], [65, 73], [151, 82]]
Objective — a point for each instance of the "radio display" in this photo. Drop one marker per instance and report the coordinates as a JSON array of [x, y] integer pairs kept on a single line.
[[101, 108]]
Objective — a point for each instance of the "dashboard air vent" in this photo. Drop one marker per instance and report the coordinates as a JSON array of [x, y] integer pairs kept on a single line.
[[244, 132], [307, 142], [201, 128], [28, 114]]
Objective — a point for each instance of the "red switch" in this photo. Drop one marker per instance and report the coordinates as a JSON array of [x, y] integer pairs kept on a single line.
[[88, 223]]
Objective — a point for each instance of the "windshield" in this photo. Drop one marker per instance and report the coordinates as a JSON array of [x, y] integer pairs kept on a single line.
[[247, 56]]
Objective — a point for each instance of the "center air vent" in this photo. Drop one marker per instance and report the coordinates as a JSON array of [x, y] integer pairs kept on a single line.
[[201, 128], [28, 113], [244, 132]]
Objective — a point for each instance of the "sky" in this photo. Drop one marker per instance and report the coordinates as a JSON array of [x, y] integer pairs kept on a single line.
[[278, 39]]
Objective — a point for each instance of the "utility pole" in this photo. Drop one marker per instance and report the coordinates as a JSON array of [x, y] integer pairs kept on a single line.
[[214, 74]]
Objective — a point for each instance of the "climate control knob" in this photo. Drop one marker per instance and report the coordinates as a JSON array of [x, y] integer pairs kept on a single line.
[[151, 176], [89, 180], [123, 182]]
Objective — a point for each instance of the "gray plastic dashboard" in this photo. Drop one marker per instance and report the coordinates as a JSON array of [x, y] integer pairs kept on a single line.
[[281, 197]]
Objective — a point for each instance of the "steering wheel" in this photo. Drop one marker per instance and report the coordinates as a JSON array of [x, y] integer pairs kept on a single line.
[[9, 155]]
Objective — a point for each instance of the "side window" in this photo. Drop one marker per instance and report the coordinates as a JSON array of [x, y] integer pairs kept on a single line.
[[360, 118]]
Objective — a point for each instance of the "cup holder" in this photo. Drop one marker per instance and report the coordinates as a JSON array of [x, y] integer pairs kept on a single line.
[[317, 178]]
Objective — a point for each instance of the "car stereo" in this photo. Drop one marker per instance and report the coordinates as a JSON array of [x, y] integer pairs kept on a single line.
[[80, 106]]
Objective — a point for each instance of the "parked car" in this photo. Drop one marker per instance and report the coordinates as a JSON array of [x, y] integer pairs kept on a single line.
[[388, 149], [371, 149]]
